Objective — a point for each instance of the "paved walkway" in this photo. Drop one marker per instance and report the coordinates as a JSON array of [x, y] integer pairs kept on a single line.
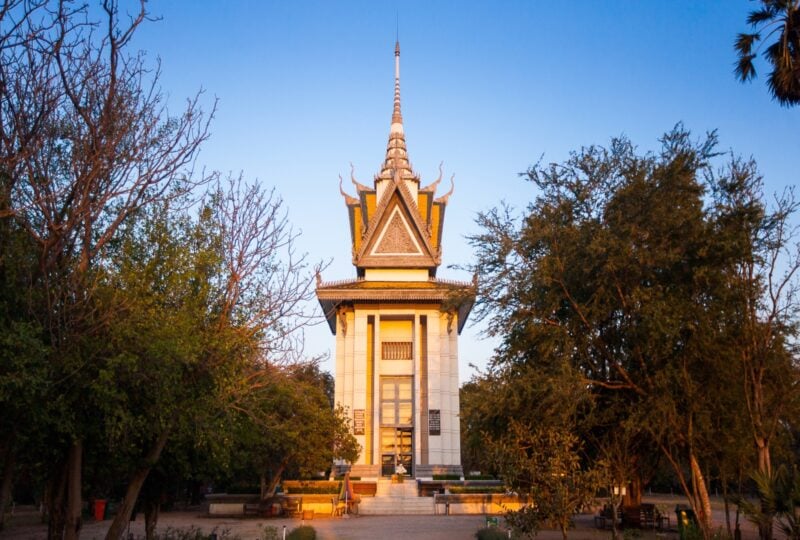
[[353, 528]]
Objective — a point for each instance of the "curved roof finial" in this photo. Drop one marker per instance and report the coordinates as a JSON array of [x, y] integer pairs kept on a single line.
[[347, 198], [444, 198], [432, 187], [359, 187]]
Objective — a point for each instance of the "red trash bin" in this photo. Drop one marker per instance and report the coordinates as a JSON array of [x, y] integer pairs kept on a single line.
[[99, 509]]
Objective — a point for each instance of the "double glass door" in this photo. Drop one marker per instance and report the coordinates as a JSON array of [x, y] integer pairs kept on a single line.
[[397, 431], [396, 450]]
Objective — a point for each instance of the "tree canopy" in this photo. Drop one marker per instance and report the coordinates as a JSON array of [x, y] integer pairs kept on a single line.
[[147, 309], [619, 289]]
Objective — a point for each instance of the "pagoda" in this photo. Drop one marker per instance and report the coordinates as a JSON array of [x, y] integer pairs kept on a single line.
[[396, 324]]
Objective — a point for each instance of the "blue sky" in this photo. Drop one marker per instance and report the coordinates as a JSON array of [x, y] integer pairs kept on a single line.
[[305, 88]]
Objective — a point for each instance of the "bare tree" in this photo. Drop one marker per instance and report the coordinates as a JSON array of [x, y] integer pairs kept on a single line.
[[85, 140]]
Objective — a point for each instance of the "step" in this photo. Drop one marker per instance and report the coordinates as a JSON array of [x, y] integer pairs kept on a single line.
[[386, 488], [396, 506]]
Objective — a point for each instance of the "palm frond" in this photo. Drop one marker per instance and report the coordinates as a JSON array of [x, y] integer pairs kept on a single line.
[[759, 16], [744, 43], [745, 69]]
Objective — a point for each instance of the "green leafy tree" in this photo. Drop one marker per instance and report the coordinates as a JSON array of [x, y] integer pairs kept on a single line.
[[288, 425], [544, 463], [619, 277], [776, 22], [204, 312]]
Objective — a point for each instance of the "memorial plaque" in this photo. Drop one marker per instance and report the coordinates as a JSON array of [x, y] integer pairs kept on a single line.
[[434, 422], [358, 421]]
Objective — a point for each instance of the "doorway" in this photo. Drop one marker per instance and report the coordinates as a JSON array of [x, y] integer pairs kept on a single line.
[[396, 450], [397, 425]]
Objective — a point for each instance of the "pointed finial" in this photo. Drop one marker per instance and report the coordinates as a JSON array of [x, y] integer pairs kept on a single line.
[[397, 117], [396, 155]]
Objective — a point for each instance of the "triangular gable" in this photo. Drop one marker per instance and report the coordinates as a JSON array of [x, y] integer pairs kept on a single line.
[[396, 236]]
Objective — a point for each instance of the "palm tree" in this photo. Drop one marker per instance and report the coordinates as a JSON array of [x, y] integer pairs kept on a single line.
[[779, 497], [781, 18]]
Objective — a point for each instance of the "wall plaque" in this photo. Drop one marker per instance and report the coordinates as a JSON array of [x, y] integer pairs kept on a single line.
[[434, 422], [358, 421]]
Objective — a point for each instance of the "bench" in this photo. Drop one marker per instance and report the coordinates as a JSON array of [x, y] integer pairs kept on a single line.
[[429, 488], [365, 489], [482, 503], [605, 519], [644, 516]]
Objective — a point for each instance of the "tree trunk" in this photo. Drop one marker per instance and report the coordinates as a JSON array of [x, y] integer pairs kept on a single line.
[[276, 479], [765, 468], [263, 483], [152, 508], [764, 458], [9, 457], [633, 492], [55, 495], [73, 521], [700, 500], [135, 484], [727, 507]]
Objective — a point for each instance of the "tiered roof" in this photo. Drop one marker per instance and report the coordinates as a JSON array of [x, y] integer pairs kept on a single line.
[[396, 224]]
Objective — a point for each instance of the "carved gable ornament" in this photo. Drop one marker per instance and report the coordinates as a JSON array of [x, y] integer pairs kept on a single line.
[[396, 237]]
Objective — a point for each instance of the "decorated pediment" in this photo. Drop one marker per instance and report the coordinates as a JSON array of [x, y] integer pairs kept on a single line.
[[396, 236]]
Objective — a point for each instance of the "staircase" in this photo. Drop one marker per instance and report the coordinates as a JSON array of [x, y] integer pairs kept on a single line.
[[396, 499]]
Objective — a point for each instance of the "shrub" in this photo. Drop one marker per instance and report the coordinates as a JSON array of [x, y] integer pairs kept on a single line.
[[490, 533], [446, 477], [305, 532], [524, 522], [194, 533], [476, 489], [323, 487], [480, 477], [270, 533]]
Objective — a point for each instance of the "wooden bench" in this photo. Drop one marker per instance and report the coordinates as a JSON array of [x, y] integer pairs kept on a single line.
[[429, 488], [605, 519], [490, 502], [365, 489]]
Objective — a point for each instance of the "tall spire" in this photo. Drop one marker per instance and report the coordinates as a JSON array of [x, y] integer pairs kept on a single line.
[[397, 118], [396, 153]]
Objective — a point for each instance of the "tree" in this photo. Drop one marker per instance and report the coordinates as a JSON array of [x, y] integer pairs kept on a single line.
[[289, 426], [543, 463], [85, 141], [618, 276], [779, 495], [781, 19], [204, 315]]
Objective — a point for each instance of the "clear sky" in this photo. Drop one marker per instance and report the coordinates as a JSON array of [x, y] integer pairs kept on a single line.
[[305, 88]]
